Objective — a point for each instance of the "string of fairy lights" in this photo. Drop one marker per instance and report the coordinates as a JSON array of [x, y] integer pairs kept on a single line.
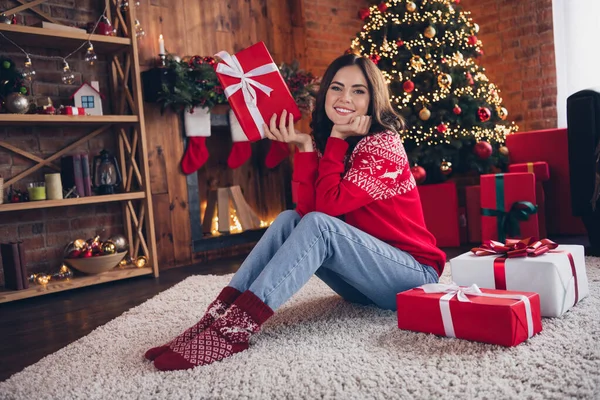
[[68, 77], [427, 50]]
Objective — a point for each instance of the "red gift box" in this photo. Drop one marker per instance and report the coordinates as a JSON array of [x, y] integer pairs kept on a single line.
[[508, 206], [550, 146], [473, 199], [255, 89], [501, 317], [540, 169], [70, 110], [441, 217]]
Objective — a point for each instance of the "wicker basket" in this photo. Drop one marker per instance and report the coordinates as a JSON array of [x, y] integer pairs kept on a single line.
[[95, 265]]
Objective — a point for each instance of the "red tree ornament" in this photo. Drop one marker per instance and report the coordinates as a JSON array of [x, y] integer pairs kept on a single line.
[[484, 114], [442, 128], [472, 40], [400, 43], [483, 150], [364, 13], [408, 86], [456, 110], [382, 7], [456, 1], [419, 174], [375, 58]]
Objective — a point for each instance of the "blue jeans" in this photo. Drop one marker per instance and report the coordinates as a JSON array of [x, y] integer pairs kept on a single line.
[[357, 266]]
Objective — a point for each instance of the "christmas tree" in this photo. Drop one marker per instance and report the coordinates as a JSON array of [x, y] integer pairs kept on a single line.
[[426, 49]]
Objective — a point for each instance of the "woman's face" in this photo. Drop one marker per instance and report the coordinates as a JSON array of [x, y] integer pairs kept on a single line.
[[347, 96]]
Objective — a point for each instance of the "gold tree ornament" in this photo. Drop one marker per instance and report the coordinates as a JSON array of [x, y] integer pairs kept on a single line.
[[503, 150], [141, 261], [417, 63], [444, 80], [425, 114], [446, 167], [430, 32], [108, 247], [411, 6], [475, 28], [502, 113]]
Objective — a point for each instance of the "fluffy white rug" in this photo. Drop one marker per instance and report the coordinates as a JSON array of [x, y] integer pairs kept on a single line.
[[318, 346]]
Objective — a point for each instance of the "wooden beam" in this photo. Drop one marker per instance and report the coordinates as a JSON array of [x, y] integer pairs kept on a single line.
[[28, 6], [26, 154]]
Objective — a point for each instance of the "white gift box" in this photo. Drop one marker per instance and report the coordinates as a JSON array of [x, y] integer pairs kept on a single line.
[[550, 275]]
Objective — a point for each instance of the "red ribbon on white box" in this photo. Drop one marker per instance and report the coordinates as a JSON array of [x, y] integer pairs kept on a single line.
[[461, 293], [232, 67]]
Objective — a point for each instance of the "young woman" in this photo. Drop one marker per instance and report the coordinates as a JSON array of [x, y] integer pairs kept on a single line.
[[358, 224]]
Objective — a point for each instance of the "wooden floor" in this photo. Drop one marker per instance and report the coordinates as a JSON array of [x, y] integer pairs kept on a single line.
[[33, 328]]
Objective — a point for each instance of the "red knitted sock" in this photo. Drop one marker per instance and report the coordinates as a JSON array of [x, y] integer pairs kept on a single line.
[[278, 152], [215, 310], [240, 153], [230, 334], [195, 155]]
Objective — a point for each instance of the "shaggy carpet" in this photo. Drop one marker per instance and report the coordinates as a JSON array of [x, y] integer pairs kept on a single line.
[[318, 346]]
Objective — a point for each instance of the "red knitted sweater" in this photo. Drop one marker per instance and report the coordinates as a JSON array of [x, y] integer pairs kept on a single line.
[[374, 191]]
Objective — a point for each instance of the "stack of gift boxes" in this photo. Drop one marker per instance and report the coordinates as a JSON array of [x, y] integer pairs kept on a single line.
[[503, 287]]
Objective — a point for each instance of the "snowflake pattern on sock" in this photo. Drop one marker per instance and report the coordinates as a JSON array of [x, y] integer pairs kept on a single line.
[[216, 309], [230, 334]]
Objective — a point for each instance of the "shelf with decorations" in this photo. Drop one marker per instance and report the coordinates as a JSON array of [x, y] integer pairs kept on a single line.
[[56, 39], [73, 283], [40, 119], [126, 121]]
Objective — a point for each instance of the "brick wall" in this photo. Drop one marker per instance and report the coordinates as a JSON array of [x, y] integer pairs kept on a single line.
[[46, 231], [330, 27], [518, 46], [517, 40]]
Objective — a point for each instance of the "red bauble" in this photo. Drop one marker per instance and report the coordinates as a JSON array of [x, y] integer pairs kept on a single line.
[[442, 128], [419, 174], [484, 114], [375, 58], [364, 13], [74, 254], [382, 7], [472, 40], [444, 60], [457, 110], [195, 60], [483, 150], [456, 1], [408, 86], [400, 43], [86, 254], [480, 51]]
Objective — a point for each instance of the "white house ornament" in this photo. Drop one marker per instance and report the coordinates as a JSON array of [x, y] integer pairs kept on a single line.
[[88, 97]]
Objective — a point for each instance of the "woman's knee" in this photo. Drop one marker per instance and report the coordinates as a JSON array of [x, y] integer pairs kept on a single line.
[[286, 217], [317, 218]]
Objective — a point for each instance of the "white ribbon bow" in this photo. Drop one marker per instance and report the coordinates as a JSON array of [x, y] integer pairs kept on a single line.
[[232, 67], [461, 293]]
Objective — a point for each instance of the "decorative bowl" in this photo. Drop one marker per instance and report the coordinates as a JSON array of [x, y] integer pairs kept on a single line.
[[95, 265]]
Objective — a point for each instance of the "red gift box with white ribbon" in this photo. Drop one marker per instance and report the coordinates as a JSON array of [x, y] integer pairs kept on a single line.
[[255, 89], [70, 110], [501, 317], [556, 272]]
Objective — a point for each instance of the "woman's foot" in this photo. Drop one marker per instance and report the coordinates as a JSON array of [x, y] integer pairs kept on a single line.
[[230, 334], [214, 311]]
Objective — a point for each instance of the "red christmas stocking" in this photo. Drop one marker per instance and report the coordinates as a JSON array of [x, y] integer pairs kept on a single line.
[[230, 334], [241, 150], [197, 129], [215, 310], [278, 152]]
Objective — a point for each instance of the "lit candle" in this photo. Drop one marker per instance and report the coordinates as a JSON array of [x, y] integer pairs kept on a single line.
[[161, 45]]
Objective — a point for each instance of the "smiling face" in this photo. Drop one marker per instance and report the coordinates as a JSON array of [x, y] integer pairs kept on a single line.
[[347, 96]]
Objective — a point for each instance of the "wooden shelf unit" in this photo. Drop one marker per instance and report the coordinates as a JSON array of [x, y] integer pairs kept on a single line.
[[127, 122]]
